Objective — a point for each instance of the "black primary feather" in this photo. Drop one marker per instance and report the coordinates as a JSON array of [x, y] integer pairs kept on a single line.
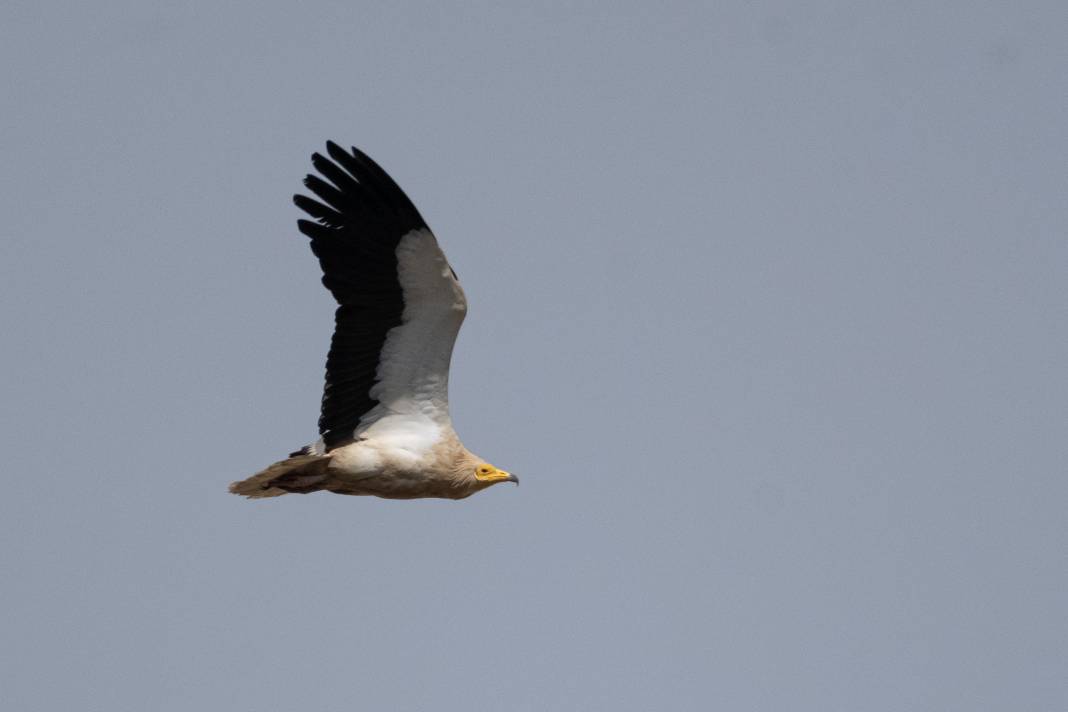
[[355, 238]]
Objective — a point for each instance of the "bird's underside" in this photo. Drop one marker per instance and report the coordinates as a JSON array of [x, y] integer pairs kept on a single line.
[[343, 472], [384, 425]]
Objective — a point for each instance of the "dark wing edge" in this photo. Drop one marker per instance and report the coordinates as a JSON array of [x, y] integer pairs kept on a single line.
[[360, 217]]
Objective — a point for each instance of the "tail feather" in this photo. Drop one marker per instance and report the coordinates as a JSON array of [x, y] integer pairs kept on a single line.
[[299, 474]]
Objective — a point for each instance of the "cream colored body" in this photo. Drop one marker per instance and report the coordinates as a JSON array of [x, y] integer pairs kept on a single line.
[[447, 470]]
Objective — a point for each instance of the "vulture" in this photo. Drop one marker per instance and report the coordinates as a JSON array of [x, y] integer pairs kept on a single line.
[[384, 426]]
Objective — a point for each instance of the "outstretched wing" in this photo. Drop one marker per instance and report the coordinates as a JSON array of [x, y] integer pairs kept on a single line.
[[400, 304]]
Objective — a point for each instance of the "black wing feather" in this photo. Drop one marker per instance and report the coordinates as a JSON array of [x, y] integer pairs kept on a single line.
[[364, 217]]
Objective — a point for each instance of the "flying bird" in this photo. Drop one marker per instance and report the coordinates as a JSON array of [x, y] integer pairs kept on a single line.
[[384, 426]]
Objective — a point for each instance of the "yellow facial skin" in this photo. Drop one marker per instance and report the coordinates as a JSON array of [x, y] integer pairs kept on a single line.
[[488, 473]]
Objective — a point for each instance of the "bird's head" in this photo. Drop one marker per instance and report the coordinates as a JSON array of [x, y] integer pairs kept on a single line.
[[487, 474]]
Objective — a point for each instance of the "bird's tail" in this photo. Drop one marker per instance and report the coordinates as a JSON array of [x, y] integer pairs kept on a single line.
[[299, 474]]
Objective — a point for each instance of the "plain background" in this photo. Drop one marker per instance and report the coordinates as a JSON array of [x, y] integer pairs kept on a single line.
[[768, 311]]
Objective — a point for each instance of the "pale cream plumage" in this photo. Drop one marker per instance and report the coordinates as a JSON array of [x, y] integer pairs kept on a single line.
[[385, 428]]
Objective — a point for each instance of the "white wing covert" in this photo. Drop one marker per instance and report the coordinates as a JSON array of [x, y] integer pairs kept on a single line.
[[400, 307]]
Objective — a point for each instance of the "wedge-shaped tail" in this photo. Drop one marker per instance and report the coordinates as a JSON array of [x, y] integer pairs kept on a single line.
[[299, 474]]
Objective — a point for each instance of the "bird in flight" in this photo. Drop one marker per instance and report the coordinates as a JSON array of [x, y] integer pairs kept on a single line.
[[384, 427]]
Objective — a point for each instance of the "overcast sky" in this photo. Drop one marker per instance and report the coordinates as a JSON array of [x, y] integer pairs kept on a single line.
[[769, 310]]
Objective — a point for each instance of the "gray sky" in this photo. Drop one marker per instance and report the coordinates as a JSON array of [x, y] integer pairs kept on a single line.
[[768, 310]]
